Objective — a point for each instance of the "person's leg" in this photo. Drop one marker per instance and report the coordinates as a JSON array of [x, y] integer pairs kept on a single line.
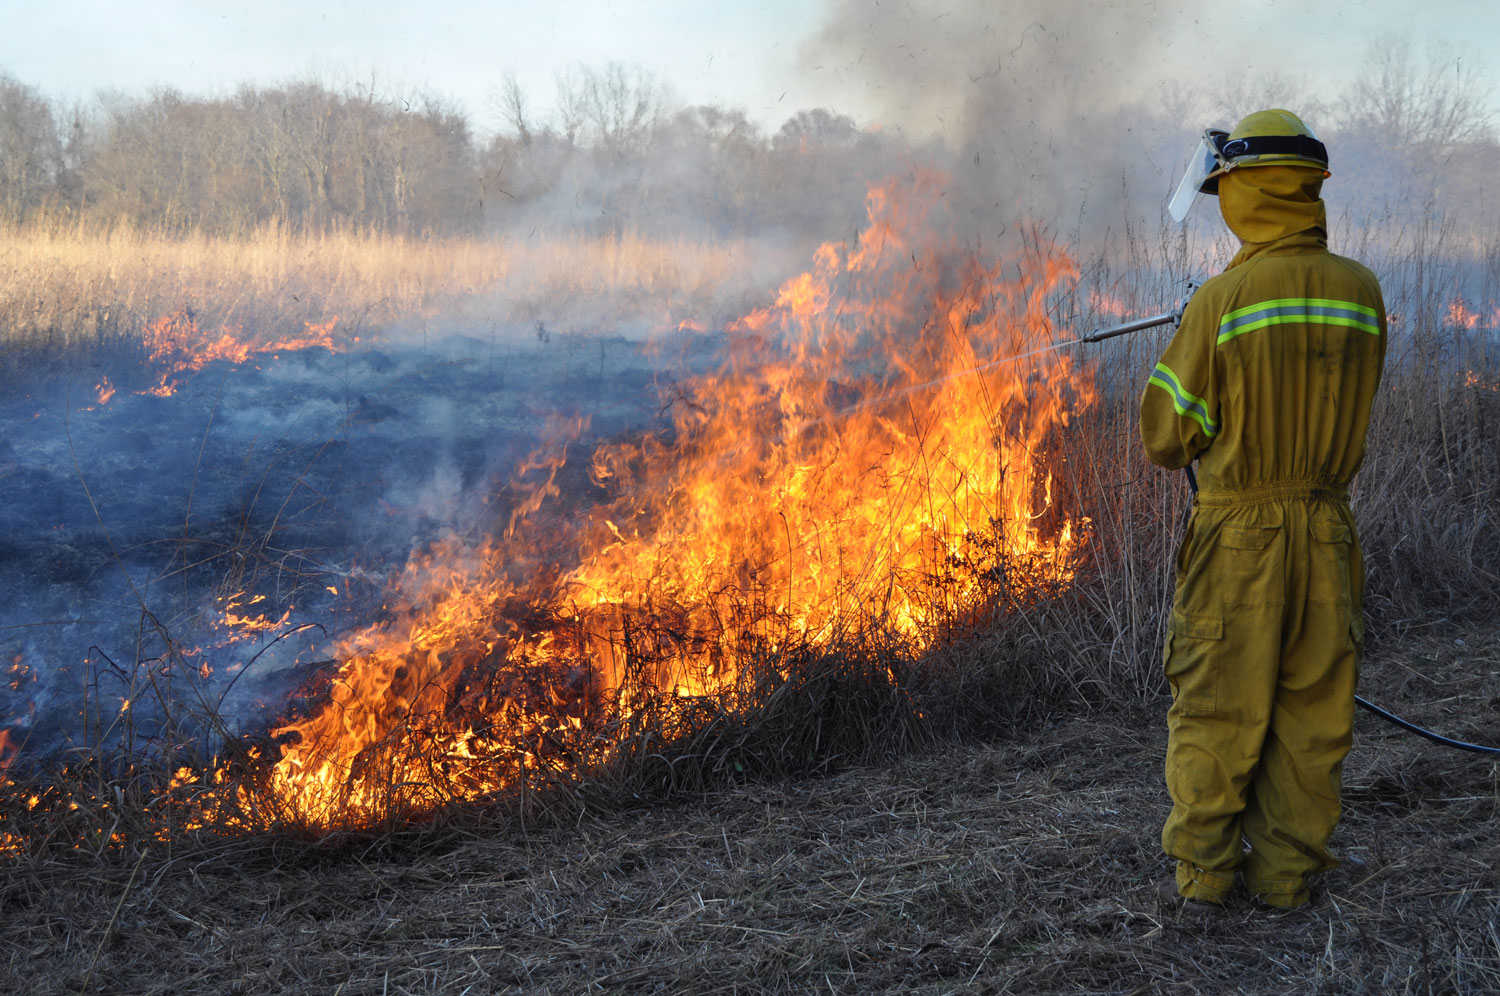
[[1222, 657], [1294, 804]]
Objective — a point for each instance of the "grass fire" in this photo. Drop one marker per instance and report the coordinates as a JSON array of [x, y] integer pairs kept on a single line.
[[867, 460]]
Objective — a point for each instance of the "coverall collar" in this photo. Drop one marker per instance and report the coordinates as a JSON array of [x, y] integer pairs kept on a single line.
[[1266, 206]]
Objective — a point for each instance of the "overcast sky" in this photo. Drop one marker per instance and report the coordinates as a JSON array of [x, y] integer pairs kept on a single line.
[[763, 56]]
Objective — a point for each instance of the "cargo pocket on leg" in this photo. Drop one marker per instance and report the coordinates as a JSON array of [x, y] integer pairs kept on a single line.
[[1191, 661], [1330, 580]]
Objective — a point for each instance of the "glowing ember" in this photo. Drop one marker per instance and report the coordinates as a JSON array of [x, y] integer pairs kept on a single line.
[[860, 463], [244, 624], [1472, 379]]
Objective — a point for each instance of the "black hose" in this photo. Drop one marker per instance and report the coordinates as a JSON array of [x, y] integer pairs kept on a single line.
[[1410, 727]]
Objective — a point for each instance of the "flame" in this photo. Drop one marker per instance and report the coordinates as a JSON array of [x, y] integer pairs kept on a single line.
[[877, 452], [175, 344], [105, 390], [20, 673], [1461, 316], [1473, 379], [244, 625], [1107, 305]]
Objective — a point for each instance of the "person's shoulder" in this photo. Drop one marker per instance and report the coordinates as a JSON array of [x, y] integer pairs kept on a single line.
[[1227, 278], [1356, 267], [1221, 286]]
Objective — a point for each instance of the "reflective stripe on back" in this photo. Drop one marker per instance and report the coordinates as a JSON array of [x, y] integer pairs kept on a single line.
[[1298, 310]]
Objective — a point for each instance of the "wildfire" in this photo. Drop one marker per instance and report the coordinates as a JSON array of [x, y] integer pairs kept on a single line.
[[879, 453], [860, 462], [176, 344]]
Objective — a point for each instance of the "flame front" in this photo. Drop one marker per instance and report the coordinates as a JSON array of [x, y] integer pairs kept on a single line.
[[175, 343], [877, 451]]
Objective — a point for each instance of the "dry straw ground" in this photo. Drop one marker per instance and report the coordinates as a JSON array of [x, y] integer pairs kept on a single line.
[[1023, 865]]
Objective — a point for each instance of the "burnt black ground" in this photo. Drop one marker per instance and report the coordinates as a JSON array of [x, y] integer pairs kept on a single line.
[[280, 477]]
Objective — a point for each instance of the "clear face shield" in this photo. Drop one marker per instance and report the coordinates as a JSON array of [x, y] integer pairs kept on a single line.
[[1206, 160]]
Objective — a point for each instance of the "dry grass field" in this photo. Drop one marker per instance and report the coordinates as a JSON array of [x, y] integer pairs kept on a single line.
[[72, 289]]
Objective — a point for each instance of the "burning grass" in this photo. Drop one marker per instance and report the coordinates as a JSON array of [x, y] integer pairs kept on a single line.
[[863, 460], [866, 474], [870, 475]]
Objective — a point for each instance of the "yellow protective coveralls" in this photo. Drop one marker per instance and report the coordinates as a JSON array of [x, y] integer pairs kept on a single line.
[[1268, 384]]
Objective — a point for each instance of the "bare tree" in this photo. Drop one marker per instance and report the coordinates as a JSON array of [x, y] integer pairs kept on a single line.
[[30, 150], [511, 103], [572, 110], [622, 104], [1239, 95], [1438, 102], [313, 157]]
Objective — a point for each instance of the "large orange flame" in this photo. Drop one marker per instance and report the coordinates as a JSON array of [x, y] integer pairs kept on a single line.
[[878, 443]]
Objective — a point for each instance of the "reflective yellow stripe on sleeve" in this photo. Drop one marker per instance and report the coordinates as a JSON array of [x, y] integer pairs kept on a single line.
[[1187, 405]]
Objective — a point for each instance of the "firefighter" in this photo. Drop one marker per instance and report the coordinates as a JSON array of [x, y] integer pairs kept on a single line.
[[1268, 384]]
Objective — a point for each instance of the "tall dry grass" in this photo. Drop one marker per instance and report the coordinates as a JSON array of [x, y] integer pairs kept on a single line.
[[68, 289]]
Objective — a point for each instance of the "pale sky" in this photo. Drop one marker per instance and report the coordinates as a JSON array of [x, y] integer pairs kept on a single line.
[[754, 55]]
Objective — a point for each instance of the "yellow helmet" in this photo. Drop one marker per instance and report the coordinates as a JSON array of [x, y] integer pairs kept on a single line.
[[1266, 138]]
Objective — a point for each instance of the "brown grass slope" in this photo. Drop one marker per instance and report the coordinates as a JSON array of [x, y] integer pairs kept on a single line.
[[1022, 866]]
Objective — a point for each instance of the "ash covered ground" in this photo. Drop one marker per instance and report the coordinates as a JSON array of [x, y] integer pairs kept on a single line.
[[286, 488]]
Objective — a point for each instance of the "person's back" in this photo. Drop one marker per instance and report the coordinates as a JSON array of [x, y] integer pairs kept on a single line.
[[1269, 384], [1275, 346]]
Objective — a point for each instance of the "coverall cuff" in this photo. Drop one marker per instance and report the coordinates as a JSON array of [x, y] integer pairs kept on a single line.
[[1206, 886], [1284, 893]]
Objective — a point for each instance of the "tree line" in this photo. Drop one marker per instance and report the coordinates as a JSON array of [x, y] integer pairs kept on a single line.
[[313, 157], [615, 154]]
